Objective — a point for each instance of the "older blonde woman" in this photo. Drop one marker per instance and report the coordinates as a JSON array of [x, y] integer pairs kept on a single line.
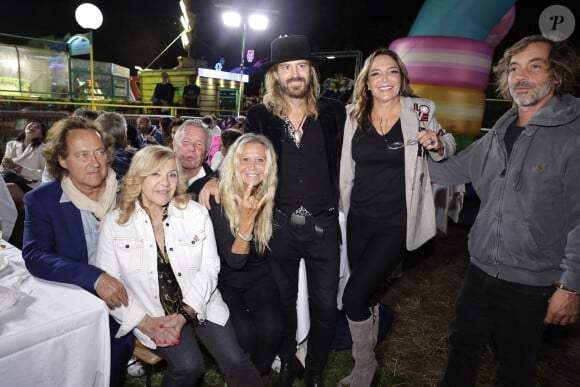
[[161, 246]]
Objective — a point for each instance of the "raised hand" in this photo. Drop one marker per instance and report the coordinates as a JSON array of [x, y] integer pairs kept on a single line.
[[249, 205]]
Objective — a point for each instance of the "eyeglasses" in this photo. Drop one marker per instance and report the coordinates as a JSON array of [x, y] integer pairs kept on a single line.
[[422, 115], [400, 144]]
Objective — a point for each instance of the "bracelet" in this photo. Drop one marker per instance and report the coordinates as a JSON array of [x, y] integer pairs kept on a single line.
[[191, 316], [244, 238], [561, 286], [215, 176], [189, 310], [186, 316]]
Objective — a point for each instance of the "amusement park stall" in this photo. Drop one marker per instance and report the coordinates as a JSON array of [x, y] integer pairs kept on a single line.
[[36, 73]]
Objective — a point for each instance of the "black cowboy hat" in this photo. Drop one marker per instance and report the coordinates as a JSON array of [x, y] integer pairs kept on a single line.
[[289, 47]]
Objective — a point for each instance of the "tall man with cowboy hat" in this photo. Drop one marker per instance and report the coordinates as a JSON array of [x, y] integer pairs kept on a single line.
[[306, 131]]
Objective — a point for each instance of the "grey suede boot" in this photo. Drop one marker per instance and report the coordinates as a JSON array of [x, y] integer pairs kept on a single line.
[[364, 339]]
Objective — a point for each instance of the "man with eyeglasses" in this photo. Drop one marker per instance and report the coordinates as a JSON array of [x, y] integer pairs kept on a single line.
[[524, 272]]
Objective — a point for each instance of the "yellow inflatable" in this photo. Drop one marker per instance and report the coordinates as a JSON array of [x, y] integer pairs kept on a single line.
[[459, 109]]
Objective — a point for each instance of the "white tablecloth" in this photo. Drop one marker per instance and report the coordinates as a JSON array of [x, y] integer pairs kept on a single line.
[[55, 335], [8, 212]]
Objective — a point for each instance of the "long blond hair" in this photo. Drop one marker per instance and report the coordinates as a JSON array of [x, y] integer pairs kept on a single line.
[[274, 96], [231, 183], [145, 162]]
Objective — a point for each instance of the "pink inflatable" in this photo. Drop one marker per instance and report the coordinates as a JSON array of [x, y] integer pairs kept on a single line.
[[501, 29], [449, 53], [446, 61]]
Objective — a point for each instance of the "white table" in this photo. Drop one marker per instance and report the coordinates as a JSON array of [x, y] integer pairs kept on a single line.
[[55, 335], [8, 212]]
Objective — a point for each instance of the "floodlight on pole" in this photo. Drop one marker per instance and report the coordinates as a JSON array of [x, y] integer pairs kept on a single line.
[[232, 19], [256, 21], [184, 23], [89, 17], [183, 8], [185, 40], [188, 21]]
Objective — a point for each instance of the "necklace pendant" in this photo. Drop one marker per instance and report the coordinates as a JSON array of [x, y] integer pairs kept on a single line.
[[294, 132], [298, 136]]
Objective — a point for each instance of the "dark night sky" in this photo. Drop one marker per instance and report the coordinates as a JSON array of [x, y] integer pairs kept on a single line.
[[135, 32]]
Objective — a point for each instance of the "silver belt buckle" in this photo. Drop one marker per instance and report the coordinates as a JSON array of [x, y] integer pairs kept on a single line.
[[298, 220], [299, 216]]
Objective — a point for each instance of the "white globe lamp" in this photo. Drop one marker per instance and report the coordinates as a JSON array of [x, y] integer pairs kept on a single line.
[[90, 18]]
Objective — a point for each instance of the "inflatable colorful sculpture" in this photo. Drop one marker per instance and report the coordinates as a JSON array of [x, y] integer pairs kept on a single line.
[[449, 54]]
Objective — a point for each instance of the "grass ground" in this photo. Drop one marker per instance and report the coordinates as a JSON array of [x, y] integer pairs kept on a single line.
[[414, 351]]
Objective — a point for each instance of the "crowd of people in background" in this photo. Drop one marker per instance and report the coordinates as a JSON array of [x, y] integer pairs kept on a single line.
[[224, 210]]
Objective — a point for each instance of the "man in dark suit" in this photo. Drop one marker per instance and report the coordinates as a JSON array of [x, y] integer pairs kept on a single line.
[[63, 216]]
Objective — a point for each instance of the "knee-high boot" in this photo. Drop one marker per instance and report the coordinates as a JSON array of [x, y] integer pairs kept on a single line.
[[364, 339]]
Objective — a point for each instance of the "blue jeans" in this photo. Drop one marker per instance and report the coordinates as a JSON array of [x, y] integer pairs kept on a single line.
[[185, 361], [510, 313]]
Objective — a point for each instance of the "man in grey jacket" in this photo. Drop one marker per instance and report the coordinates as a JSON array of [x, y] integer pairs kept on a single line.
[[525, 243]]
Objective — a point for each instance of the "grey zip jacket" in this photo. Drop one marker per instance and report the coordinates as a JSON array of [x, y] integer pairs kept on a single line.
[[527, 229]]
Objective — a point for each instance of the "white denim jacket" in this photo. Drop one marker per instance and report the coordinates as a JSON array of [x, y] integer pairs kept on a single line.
[[128, 252]]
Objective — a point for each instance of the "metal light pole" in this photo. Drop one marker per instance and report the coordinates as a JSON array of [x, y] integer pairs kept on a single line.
[[241, 90], [256, 20], [89, 17]]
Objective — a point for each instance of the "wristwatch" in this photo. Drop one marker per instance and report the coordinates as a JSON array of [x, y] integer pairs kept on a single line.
[[561, 286]]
